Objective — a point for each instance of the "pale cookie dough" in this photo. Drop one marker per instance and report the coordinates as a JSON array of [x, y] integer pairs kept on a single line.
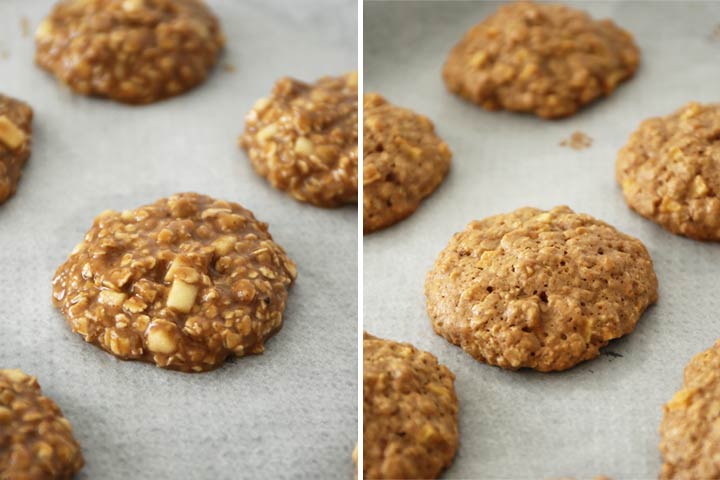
[[304, 139], [132, 51], [15, 136], [689, 433], [36, 440], [182, 283], [404, 162], [670, 171], [410, 412], [539, 289], [548, 59]]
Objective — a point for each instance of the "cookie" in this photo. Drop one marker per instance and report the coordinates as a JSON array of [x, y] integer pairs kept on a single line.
[[410, 412], [15, 135], [670, 171], [404, 162], [689, 437], [539, 289], [303, 138], [182, 283], [548, 59], [132, 51], [36, 440]]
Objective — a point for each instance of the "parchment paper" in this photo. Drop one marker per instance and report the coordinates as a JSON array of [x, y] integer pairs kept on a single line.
[[601, 417], [289, 413]]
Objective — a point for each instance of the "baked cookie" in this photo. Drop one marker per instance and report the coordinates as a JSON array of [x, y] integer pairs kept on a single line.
[[539, 289], [304, 140], [689, 434], [15, 135], [132, 51], [404, 162], [548, 59], [410, 412], [670, 171], [184, 283], [36, 441]]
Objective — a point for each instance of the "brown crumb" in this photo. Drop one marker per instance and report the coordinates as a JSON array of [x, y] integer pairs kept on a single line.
[[25, 26], [577, 141], [229, 68], [715, 34]]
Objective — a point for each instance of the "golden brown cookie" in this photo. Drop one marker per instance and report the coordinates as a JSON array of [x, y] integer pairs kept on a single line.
[[404, 162], [36, 441], [304, 140], [184, 283], [548, 59], [689, 434], [15, 135], [410, 412], [670, 171], [133, 51], [539, 289]]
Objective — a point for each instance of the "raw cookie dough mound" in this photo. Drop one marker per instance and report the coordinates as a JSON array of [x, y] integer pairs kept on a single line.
[[304, 139], [15, 134], [184, 283], [410, 412], [404, 162], [670, 171], [537, 289], [689, 434], [36, 441], [133, 51], [547, 59]]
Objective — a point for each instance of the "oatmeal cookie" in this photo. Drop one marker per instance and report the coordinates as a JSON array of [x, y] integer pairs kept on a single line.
[[404, 162], [670, 171], [132, 51], [36, 441], [304, 139], [543, 58], [539, 289], [184, 283], [410, 412], [689, 437], [15, 135]]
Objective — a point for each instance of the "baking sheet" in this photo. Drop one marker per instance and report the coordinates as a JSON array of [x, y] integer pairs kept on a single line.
[[289, 413], [601, 417]]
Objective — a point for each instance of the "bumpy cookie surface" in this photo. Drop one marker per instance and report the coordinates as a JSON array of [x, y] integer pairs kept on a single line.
[[689, 434], [404, 162], [36, 441], [184, 283], [539, 289], [133, 51], [670, 171], [304, 139], [410, 412], [547, 59], [15, 135]]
